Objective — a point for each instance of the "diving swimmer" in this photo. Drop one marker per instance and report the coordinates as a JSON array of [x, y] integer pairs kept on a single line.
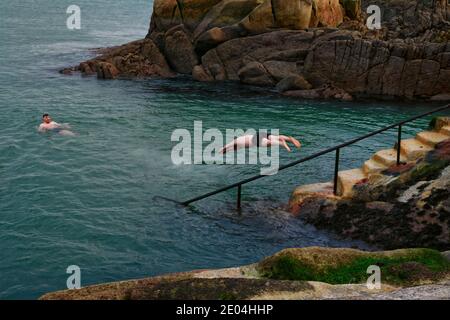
[[260, 140], [49, 125]]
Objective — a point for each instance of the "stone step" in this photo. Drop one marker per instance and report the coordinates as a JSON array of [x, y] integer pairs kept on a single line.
[[414, 149], [347, 179], [445, 130], [431, 138], [388, 157], [372, 166]]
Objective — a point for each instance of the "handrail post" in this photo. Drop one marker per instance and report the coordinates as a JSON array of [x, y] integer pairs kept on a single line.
[[239, 197], [336, 171], [399, 143]]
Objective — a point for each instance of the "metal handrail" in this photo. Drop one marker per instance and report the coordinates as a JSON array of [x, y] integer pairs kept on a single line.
[[313, 156]]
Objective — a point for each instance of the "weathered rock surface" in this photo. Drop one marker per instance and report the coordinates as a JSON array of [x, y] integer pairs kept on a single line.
[[254, 16], [440, 291], [179, 50], [417, 20], [341, 59], [292, 274], [403, 206], [293, 82], [136, 59], [263, 42]]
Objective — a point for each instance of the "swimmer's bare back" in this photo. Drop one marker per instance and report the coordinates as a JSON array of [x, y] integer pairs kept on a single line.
[[249, 141], [57, 128]]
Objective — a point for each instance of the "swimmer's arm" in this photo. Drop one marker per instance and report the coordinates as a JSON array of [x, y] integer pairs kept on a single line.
[[228, 147], [276, 142], [42, 128], [61, 126]]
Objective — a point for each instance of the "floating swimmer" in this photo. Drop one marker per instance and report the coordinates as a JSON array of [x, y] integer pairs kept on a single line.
[[49, 125], [260, 140]]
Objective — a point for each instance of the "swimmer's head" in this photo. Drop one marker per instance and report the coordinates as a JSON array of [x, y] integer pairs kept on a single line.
[[46, 118]]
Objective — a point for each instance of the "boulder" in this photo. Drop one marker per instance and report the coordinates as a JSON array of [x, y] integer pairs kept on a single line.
[[254, 73], [193, 11], [294, 82], [441, 97], [170, 13], [67, 71], [424, 20], [215, 36], [280, 69], [232, 55], [199, 74], [179, 50], [225, 13], [292, 14], [326, 13], [352, 8], [86, 68], [264, 42], [140, 58], [260, 20], [303, 94], [255, 16], [106, 70], [150, 52], [166, 14]]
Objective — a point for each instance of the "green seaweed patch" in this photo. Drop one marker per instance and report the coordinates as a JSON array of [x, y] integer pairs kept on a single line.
[[415, 267], [429, 170], [433, 123]]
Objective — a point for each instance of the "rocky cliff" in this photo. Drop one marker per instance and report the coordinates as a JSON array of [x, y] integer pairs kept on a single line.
[[304, 48]]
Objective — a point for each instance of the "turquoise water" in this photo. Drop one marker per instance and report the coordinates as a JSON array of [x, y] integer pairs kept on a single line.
[[90, 200]]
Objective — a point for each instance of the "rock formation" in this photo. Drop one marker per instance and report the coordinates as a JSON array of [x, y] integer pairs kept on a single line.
[[394, 206], [306, 273], [271, 42]]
